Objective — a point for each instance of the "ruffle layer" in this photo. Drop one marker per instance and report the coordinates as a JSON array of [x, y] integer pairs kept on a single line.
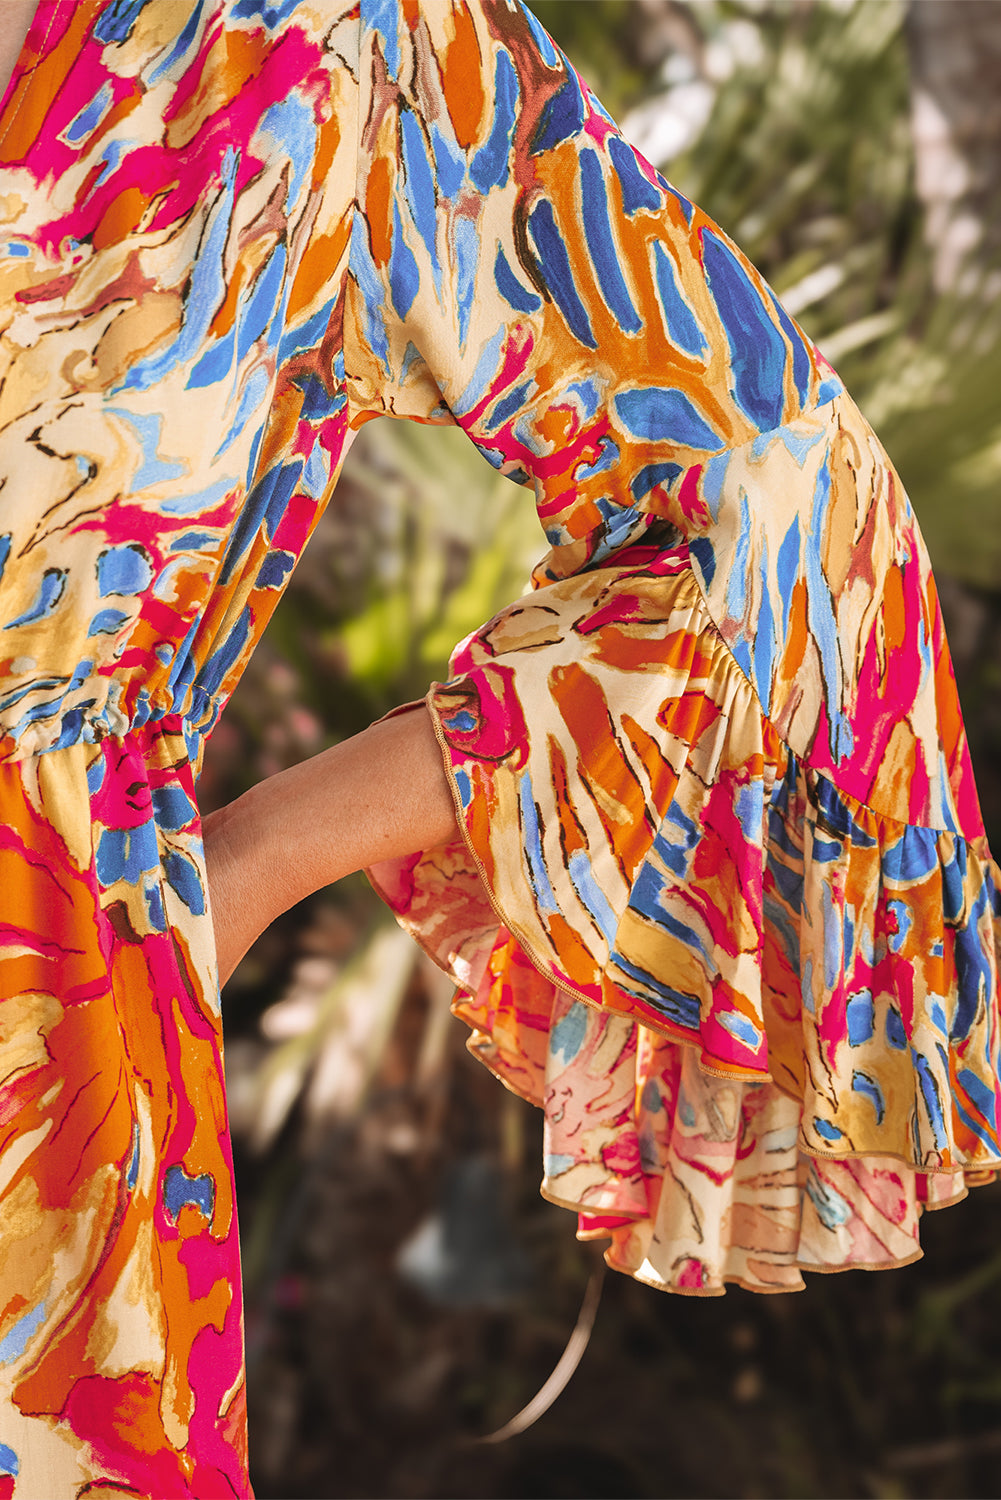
[[760, 1018]]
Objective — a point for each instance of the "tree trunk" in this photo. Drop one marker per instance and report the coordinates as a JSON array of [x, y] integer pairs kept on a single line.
[[955, 49]]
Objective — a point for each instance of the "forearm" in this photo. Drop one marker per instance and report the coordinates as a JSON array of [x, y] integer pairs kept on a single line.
[[380, 794]]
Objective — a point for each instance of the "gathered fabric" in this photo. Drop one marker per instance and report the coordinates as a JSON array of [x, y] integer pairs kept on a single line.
[[719, 900]]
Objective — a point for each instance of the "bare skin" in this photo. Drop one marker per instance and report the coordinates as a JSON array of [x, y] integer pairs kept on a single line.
[[381, 794], [15, 18]]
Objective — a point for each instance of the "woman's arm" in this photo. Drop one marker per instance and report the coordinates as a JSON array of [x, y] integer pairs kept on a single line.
[[381, 794]]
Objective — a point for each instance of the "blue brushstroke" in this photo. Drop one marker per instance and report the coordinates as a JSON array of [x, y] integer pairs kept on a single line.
[[554, 265], [647, 897], [677, 1007], [860, 1014], [316, 474], [173, 809], [215, 364], [837, 817], [252, 399], [126, 854], [116, 20], [555, 1162], [912, 857], [464, 787], [608, 457], [291, 125], [179, 1189], [9, 1461], [742, 1029], [123, 570], [467, 255], [508, 406], [973, 970], [757, 349], [664, 415], [650, 883], [264, 507], [833, 954], [550, 55], [982, 1097], [736, 588], [863, 1084], [905, 921], [592, 896], [823, 625], [766, 639], [14, 1343], [931, 1098], [372, 291], [832, 1209], [954, 883], [308, 334], [532, 838], [562, 118], [638, 192], [206, 288], [404, 275], [184, 879], [449, 165], [108, 622], [262, 302], [713, 481], [588, 394], [750, 810], [601, 243], [50, 591], [181, 46], [132, 1171], [200, 501], [153, 469], [511, 289], [90, 116], [679, 320], [787, 568], [489, 167], [652, 475], [486, 367], [568, 1035], [210, 678], [798, 444], [274, 570], [419, 189], [384, 18], [112, 155], [741, 653], [700, 550], [154, 908]]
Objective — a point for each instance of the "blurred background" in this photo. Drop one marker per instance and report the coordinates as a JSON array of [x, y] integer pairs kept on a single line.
[[407, 1290]]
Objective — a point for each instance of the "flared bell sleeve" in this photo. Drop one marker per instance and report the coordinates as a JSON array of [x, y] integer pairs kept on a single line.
[[722, 904]]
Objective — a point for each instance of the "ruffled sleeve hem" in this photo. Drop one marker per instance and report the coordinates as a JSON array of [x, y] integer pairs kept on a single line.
[[760, 1018]]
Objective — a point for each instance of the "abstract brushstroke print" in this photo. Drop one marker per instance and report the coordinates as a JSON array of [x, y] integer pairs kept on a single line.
[[722, 905]]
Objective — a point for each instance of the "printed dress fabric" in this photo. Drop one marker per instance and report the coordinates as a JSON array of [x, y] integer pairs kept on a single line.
[[721, 903]]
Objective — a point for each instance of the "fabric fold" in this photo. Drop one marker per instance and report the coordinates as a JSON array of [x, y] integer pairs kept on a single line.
[[758, 1015]]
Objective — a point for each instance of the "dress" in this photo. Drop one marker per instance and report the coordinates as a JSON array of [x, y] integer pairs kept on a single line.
[[722, 903]]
